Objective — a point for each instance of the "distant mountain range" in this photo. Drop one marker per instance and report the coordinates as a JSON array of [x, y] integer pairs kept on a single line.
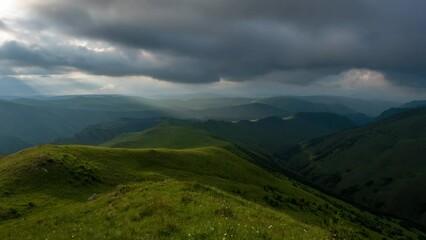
[[271, 134], [32, 121]]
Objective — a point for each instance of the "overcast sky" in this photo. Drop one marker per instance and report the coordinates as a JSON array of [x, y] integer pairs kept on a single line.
[[362, 48]]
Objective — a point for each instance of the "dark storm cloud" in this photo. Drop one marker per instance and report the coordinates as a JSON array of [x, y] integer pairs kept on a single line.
[[33, 55], [60, 59], [246, 39]]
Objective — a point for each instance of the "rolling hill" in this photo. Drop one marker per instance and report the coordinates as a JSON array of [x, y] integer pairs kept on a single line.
[[166, 136], [45, 119], [67, 192], [268, 134], [380, 165]]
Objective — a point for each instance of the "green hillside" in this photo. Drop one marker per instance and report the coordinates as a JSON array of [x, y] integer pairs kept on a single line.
[[270, 135], [166, 136], [49, 192], [380, 166], [163, 210]]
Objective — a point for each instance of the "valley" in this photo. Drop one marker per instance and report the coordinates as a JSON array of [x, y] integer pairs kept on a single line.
[[175, 172]]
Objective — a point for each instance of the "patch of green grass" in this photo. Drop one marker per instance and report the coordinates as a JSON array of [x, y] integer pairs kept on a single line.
[[162, 210], [51, 185], [166, 137]]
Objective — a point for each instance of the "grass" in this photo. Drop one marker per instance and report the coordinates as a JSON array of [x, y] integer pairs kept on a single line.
[[165, 193], [162, 210], [166, 136]]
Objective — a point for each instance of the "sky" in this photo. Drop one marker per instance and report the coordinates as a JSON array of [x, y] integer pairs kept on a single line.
[[357, 48]]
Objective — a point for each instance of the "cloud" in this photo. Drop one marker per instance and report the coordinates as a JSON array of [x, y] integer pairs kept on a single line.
[[57, 58], [242, 40], [303, 44]]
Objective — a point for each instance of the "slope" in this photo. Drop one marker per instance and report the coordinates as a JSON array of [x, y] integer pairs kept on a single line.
[[162, 210], [166, 136], [271, 134], [50, 185], [380, 165]]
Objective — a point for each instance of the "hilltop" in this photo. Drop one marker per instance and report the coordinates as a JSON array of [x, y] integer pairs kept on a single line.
[[51, 185]]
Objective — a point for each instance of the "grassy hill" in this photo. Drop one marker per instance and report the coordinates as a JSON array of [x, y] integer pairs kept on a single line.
[[269, 134], [58, 192], [380, 165], [166, 136]]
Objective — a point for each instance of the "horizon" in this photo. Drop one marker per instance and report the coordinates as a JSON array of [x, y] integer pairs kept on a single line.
[[200, 95]]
